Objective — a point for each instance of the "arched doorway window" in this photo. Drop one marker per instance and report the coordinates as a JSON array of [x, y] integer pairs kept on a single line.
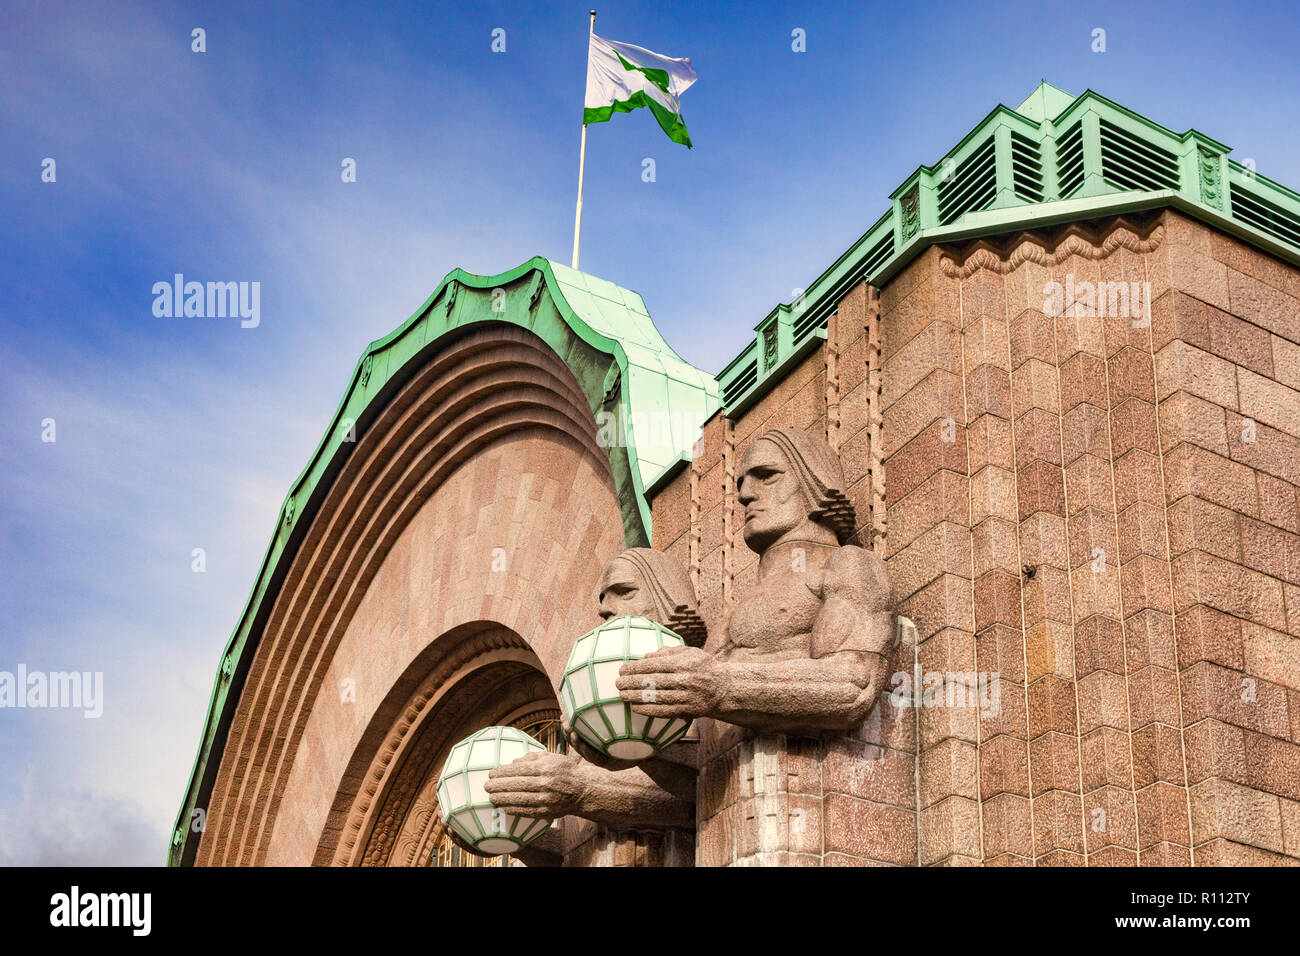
[[543, 726], [546, 728]]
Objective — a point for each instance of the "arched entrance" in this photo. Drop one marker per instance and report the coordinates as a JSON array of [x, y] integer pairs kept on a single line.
[[454, 563]]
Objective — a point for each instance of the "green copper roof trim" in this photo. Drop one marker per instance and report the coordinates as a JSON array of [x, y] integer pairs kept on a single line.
[[604, 335], [1055, 158]]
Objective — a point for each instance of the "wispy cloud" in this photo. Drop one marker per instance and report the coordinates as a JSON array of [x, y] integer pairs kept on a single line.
[[61, 826]]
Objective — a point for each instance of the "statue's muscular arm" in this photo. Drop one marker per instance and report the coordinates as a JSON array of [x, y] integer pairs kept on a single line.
[[550, 785], [833, 690]]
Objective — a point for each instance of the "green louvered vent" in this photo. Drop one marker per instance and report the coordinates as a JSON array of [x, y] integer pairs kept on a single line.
[[1129, 163], [876, 257], [1255, 211], [739, 385], [1026, 168], [972, 186], [806, 323], [879, 254], [1069, 161]]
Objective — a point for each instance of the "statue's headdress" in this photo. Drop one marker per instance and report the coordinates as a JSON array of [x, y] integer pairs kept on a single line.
[[819, 471], [669, 586]]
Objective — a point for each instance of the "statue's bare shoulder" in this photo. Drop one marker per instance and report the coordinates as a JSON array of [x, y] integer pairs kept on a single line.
[[858, 575], [856, 604]]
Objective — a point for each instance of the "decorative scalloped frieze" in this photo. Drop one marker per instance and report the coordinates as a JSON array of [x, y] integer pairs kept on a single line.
[[1073, 240]]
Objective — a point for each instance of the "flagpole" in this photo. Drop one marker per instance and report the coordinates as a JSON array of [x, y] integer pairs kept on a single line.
[[582, 155]]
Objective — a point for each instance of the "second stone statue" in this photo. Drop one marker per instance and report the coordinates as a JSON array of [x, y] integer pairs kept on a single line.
[[658, 792], [803, 653]]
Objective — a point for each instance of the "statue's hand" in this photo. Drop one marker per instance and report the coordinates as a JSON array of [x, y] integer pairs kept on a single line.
[[673, 682], [589, 753], [539, 785]]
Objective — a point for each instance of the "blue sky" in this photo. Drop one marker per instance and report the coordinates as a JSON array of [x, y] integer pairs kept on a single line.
[[175, 434]]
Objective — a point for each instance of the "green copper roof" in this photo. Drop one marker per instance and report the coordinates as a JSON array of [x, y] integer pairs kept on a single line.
[[622, 364], [666, 396], [1054, 158]]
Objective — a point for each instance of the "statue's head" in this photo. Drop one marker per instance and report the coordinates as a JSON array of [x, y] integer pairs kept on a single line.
[[789, 479], [643, 582]]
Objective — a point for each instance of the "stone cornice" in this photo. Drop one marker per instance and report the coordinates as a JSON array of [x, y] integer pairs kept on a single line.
[[1052, 249]]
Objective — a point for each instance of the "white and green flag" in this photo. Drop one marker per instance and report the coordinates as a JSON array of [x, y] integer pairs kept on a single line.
[[621, 77]]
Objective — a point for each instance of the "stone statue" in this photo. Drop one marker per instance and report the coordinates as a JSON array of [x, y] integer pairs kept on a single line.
[[806, 650], [642, 582], [658, 792]]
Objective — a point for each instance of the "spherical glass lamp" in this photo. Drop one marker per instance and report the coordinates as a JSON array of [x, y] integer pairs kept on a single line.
[[465, 805], [591, 701]]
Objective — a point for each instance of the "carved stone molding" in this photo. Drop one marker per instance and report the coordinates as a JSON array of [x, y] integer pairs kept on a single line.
[[875, 424], [831, 350], [728, 511], [1048, 250], [695, 562]]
